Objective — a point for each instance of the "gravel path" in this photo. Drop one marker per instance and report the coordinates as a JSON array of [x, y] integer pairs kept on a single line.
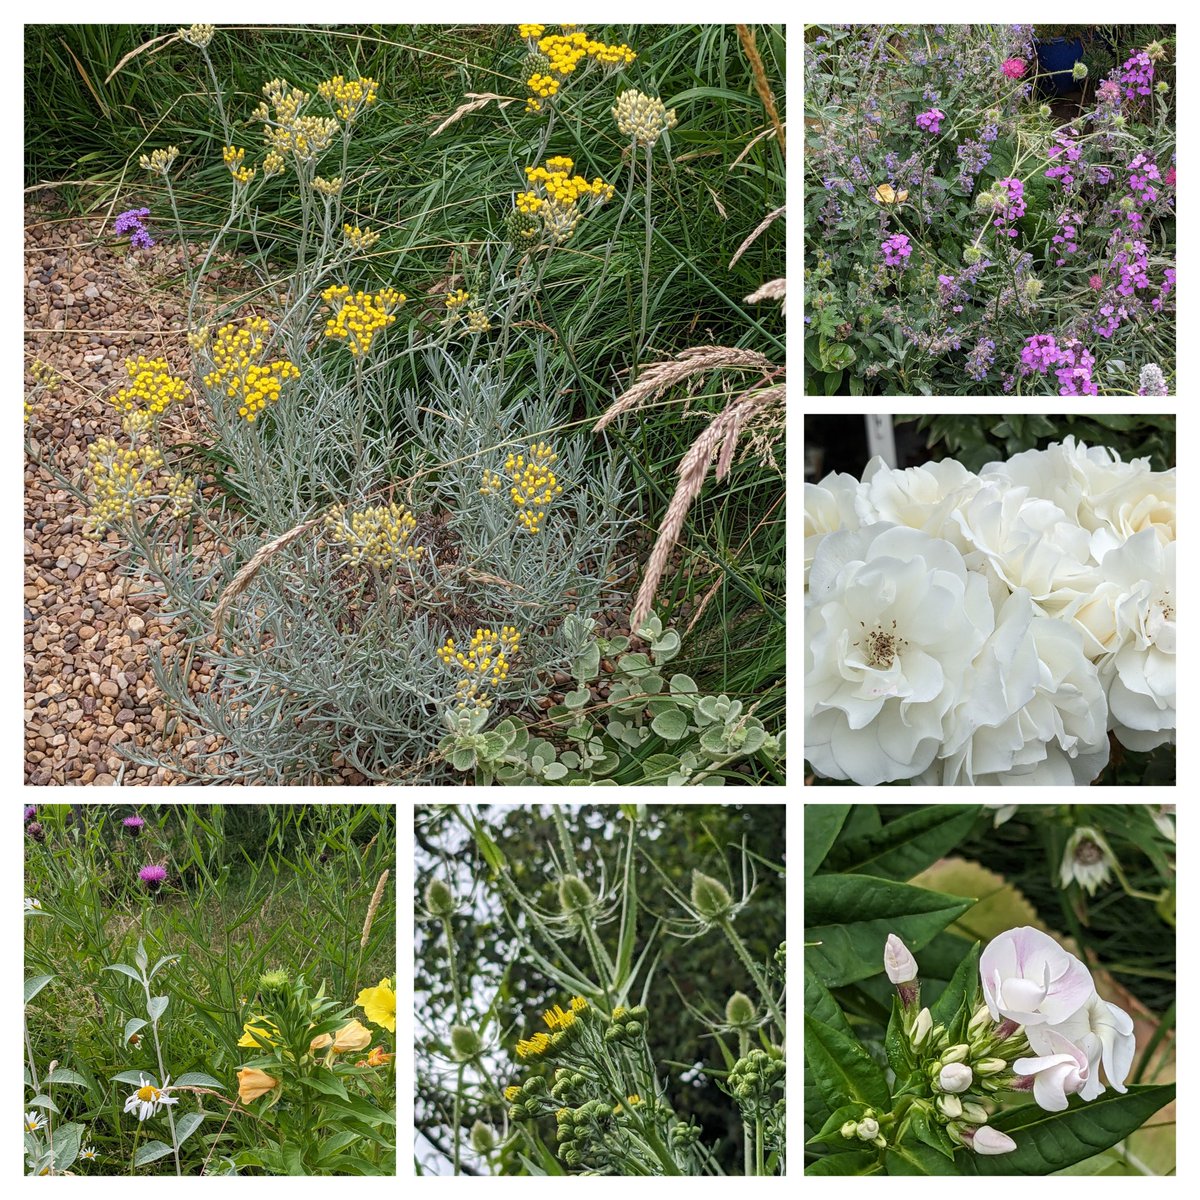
[[88, 627]]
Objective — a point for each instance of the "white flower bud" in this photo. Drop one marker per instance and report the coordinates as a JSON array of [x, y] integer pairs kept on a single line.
[[987, 1140], [957, 1054], [898, 961], [990, 1066], [980, 1020], [850, 1129], [975, 1113], [868, 1130], [921, 1027], [955, 1077], [951, 1106]]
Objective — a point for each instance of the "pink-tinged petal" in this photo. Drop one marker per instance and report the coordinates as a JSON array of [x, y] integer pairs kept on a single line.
[[1048, 1088]]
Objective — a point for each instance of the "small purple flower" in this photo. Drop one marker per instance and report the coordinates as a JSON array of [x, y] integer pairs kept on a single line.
[[980, 359], [35, 831], [30, 811], [1137, 74], [1041, 352], [931, 121], [130, 219], [895, 250], [133, 825], [152, 876]]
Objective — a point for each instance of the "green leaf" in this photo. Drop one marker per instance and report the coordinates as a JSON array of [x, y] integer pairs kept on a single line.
[[670, 725], [930, 1132], [198, 1079], [139, 956], [830, 1134], [895, 1042], [906, 846], [187, 1125], [861, 1162], [62, 1075], [135, 1077], [819, 1002], [132, 1026], [156, 1006], [162, 962], [43, 1102], [124, 971], [66, 1145], [915, 1158], [843, 1070], [150, 1151], [822, 824], [34, 984], [326, 1081], [850, 917], [1047, 1142], [960, 993]]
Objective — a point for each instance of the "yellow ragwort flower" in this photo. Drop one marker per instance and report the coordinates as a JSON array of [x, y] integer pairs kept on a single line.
[[533, 1047]]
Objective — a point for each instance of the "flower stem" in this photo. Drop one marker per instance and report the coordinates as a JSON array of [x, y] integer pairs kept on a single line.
[[453, 969], [162, 1075], [637, 354], [755, 974]]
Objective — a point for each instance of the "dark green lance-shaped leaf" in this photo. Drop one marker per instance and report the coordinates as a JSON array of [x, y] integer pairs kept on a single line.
[[915, 1158], [906, 846], [822, 824], [34, 984], [861, 1162], [895, 1042], [955, 1005], [930, 1132], [1047, 1142], [850, 916], [148, 1152], [842, 1069], [831, 1132], [819, 1002]]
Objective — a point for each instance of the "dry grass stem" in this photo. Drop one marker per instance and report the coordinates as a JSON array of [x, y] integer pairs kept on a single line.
[[757, 231], [762, 86], [242, 580], [475, 101], [774, 289]]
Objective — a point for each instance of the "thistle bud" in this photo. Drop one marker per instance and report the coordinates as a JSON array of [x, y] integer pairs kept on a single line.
[[1033, 288], [955, 1077], [709, 897], [1119, 121], [990, 1066], [464, 1042], [439, 899], [739, 1011], [483, 1138], [1079, 71], [971, 255], [1044, 111], [272, 982], [574, 896], [1161, 87]]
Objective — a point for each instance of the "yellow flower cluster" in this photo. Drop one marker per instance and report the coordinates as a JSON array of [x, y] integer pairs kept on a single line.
[[543, 86], [512, 1093], [359, 239], [286, 130], [198, 35], [159, 161], [151, 386], [534, 484], [138, 423], [561, 54], [533, 1047], [642, 118], [328, 187], [378, 535], [239, 371], [530, 32], [554, 195], [556, 1018], [234, 157], [488, 654], [198, 338], [350, 95], [273, 164], [456, 299], [119, 479], [358, 318]]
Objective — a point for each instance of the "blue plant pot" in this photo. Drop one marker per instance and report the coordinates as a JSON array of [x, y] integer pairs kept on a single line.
[[1056, 58]]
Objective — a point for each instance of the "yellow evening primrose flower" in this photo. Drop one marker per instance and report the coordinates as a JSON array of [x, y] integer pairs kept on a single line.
[[379, 1004], [252, 1084], [258, 1032], [354, 1035]]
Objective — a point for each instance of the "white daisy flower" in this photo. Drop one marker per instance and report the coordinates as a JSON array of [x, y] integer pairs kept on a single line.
[[34, 1121], [148, 1099], [31, 905], [88, 1152]]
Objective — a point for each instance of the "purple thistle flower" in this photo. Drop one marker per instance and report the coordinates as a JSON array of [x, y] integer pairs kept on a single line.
[[30, 811], [133, 825], [152, 876], [35, 831]]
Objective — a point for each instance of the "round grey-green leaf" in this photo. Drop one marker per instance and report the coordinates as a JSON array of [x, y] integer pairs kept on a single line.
[[670, 725]]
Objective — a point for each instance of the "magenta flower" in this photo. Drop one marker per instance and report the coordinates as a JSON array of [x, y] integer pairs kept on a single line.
[[30, 811], [895, 250], [1014, 68], [152, 876], [1169, 177], [1095, 282], [133, 825], [931, 121]]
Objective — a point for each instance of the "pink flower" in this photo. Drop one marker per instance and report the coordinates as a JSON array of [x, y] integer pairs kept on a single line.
[[1095, 282], [1014, 68], [1169, 177]]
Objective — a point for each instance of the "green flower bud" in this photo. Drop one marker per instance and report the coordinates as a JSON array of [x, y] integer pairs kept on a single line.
[[985, 202], [535, 1085], [880, 1142], [850, 1129], [975, 1113], [1033, 288], [956, 1053], [971, 255], [483, 1138], [950, 1105], [980, 1020], [272, 982], [1079, 71], [464, 1042], [639, 1012], [1119, 121], [989, 1066], [1043, 111], [1161, 87], [439, 899], [709, 897], [574, 895], [739, 1011]]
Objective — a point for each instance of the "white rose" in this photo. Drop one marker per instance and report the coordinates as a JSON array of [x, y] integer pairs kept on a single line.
[[1033, 710], [893, 622], [828, 507], [920, 497], [1128, 624], [1139, 502], [1021, 541]]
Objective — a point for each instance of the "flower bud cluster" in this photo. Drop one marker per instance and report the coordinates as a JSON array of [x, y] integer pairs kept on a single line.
[[628, 1024], [528, 1099], [752, 1080]]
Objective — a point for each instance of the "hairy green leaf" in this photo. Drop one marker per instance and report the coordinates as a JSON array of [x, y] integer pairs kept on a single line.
[[149, 1151]]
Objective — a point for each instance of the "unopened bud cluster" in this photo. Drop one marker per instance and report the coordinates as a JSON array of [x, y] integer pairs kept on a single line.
[[752, 1081], [642, 118], [628, 1024]]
